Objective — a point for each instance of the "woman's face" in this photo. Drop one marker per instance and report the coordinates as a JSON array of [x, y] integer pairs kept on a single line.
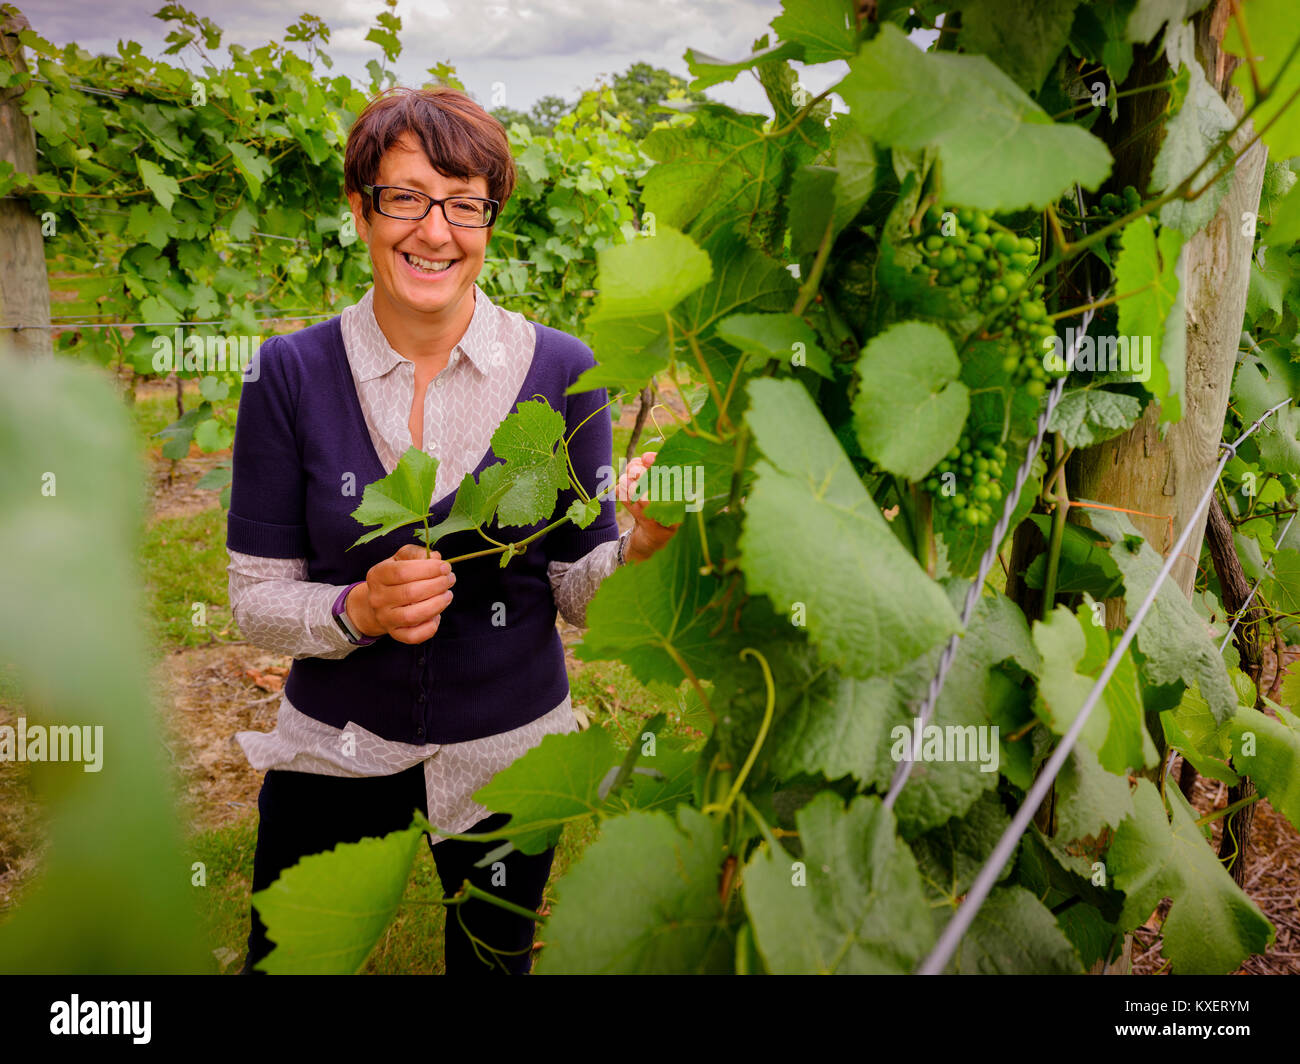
[[409, 286]]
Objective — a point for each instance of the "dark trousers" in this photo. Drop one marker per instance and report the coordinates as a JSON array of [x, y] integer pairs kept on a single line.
[[303, 813]]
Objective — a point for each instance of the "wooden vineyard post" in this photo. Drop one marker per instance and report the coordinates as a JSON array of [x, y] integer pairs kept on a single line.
[[24, 284]]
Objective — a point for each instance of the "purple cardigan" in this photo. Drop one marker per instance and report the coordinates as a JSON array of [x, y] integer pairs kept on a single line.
[[299, 432]]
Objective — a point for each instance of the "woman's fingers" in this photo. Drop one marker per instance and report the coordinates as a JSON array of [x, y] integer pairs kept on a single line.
[[418, 633]]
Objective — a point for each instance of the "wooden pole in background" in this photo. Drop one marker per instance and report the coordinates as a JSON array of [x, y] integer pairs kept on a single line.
[[24, 285]]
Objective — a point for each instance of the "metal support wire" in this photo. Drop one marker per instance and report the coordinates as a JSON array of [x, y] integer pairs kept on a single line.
[[957, 927], [1249, 598]]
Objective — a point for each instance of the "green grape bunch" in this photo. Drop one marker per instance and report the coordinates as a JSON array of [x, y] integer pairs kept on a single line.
[[974, 469], [989, 267], [1111, 207]]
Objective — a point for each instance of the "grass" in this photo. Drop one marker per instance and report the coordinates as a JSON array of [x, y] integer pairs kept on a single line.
[[184, 561]]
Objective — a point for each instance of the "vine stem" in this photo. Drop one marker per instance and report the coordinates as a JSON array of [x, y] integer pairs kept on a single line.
[[758, 742], [1098, 303], [708, 379], [1228, 810], [803, 113], [512, 547], [1062, 500], [468, 890], [809, 287], [689, 673]]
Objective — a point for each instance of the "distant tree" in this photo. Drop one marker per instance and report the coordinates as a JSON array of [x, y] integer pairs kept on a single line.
[[642, 88], [548, 110], [508, 116]]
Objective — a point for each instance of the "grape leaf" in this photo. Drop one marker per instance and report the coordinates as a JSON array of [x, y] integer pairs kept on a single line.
[[535, 468], [981, 693], [1014, 934], [654, 614], [908, 377], [1084, 566], [1023, 40], [399, 499], [1283, 586], [1200, 122], [326, 913], [708, 70], [1173, 639], [165, 189], [855, 169], [783, 337], [870, 607], [583, 513], [1074, 650], [640, 282], [1263, 381], [1088, 798], [1191, 729], [695, 474], [860, 908], [1148, 266], [825, 29], [557, 780], [950, 856], [999, 149], [643, 900], [809, 207], [567, 777], [1274, 764], [252, 164], [1271, 27], [474, 505], [1213, 926], [1099, 34], [1150, 15], [1087, 416], [723, 170]]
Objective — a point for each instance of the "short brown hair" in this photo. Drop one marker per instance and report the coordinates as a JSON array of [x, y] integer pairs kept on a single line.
[[459, 138]]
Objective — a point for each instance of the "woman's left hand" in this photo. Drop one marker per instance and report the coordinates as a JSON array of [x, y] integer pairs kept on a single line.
[[648, 535]]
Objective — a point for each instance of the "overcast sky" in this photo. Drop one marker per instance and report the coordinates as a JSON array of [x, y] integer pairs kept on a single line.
[[532, 47]]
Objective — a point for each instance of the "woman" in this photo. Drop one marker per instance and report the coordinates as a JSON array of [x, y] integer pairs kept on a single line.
[[403, 693]]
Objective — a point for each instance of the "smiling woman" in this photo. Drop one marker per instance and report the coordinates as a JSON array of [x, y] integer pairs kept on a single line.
[[400, 698]]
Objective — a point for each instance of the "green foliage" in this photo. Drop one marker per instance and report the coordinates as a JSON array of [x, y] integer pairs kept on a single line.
[[114, 893], [327, 911], [984, 128], [1213, 926], [177, 193], [807, 601]]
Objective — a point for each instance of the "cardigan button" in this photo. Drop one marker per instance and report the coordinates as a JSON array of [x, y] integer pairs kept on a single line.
[[420, 660], [419, 732]]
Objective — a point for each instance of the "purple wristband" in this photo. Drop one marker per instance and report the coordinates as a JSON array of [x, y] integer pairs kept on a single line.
[[340, 611]]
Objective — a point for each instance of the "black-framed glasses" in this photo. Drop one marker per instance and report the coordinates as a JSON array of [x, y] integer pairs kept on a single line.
[[469, 212]]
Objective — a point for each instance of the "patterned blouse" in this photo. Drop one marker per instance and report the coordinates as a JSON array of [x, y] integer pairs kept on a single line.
[[278, 608]]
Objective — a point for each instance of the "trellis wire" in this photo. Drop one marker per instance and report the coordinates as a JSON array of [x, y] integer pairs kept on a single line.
[[973, 593], [957, 927], [1236, 619], [1249, 598], [151, 324]]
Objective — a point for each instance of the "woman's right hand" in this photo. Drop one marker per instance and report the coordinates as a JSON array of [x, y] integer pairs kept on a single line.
[[403, 596]]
